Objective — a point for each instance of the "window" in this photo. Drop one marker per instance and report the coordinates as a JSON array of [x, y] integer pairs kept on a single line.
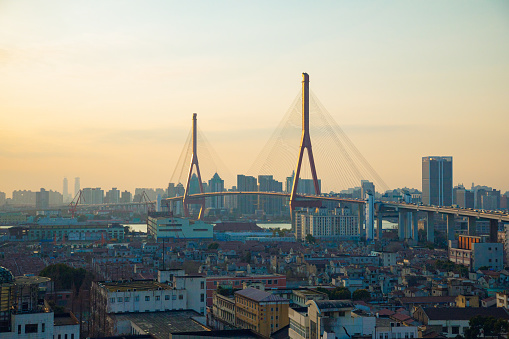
[[158, 298], [167, 297], [126, 299], [174, 297], [137, 298], [455, 330], [202, 285], [112, 300], [202, 297], [147, 298], [65, 336], [43, 327], [119, 299], [72, 335], [19, 329], [31, 328], [444, 329], [181, 297]]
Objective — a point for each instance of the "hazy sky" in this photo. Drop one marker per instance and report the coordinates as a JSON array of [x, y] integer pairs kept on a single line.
[[105, 90]]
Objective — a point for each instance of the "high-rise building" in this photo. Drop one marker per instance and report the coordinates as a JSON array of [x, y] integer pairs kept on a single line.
[[77, 186], [367, 187], [65, 191], [2, 198], [305, 186], [270, 205], [216, 184], [246, 203], [126, 196], [437, 181], [42, 199], [112, 196]]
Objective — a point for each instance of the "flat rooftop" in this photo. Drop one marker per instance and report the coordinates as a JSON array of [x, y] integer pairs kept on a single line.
[[161, 324], [139, 285]]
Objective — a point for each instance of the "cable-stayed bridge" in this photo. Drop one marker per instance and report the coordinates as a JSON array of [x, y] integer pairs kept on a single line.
[[309, 143]]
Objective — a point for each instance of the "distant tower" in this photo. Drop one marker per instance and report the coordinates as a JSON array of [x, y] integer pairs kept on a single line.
[[77, 186], [437, 181], [65, 191]]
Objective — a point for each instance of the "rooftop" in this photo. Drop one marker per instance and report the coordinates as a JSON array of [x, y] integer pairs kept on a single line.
[[331, 305], [258, 295], [459, 313], [162, 324]]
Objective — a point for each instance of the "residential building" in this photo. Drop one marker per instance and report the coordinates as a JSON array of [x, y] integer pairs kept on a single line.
[[437, 178], [475, 252], [330, 319], [260, 311], [173, 290], [75, 232], [330, 224], [271, 281], [24, 314], [246, 204]]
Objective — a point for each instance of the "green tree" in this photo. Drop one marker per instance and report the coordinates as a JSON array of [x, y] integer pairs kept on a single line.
[[65, 277], [310, 239], [491, 326], [361, 294], [213, 246], [339, 293]]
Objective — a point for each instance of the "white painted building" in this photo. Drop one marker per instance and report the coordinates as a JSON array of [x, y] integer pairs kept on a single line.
[[329, 319], [172, 291], [181, 228], [330, 224]]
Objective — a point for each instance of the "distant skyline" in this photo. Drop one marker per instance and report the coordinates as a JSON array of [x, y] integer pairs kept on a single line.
[[105, 91]]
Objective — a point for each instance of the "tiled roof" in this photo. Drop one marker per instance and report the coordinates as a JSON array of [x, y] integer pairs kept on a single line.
[[459, 313], [258, 295]]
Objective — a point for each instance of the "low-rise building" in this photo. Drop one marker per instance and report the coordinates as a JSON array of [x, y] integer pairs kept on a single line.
[[474, 252], [168, 227], [173, 290], [260, 311]]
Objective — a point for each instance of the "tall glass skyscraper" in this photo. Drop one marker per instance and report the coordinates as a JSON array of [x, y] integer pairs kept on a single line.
[[437, 181]]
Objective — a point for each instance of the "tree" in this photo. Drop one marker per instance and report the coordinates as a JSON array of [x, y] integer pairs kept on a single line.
[[339, 293], [363, 295], [247, 257], [65, 277], [213, 246], [490, 326], [310, 239]]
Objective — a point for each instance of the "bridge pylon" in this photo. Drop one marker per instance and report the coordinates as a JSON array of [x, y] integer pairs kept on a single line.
[[194, 163], [305, 143]]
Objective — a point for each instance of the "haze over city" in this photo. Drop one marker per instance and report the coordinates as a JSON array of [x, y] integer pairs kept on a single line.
[[106, 91]]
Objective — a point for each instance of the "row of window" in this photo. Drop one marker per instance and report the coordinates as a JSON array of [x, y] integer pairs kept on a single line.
[[147, 298]]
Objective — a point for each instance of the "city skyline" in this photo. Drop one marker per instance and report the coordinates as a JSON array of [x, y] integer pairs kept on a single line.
[[110, 99]]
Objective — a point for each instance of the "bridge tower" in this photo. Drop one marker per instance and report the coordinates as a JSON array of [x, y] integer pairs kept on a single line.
[[305, 143], [194, 163]]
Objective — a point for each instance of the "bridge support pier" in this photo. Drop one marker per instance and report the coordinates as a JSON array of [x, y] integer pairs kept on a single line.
[[402, 221], [430, 227], [362, 232], [493, 230], [415, 227], [472, 225], [450, 226]]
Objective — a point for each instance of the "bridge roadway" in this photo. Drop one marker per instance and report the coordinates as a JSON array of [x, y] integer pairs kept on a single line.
[[199, 196], [459, 212]]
